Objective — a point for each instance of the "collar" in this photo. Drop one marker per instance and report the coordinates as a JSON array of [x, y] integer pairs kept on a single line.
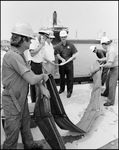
[[15, 50], [65, 44]]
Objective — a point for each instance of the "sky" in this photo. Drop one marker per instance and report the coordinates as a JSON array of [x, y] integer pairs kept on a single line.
[[85, 19]]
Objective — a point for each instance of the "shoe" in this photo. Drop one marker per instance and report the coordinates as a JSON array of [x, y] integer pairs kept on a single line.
[[102, 94], [35, 146], [60, 91], [108, 104], [68, 94]]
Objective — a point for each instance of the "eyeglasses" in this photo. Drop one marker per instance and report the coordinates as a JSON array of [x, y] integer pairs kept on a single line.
[[63, 37]]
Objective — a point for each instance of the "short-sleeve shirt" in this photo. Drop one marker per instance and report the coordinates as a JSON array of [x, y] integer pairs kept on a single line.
[[101, 53], [35, 44], [48, 52], [14, 67], [65, 51], [112, 56]]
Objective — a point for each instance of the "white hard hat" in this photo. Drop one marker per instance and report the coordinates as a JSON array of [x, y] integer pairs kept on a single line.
[[63, 33], [51, 34], [105, 40], [92, 48], [23, 29]]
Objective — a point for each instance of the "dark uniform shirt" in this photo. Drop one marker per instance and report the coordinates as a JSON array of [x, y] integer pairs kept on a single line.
[[65, 51], [101, 53]]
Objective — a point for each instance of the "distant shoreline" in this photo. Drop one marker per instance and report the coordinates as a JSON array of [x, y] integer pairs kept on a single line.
[[84, 41]]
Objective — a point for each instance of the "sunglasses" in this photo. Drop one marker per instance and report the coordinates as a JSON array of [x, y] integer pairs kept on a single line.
[[63, 37]]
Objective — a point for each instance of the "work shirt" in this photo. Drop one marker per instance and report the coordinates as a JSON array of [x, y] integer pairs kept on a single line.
[[48, 52], [65, 51], [112, 56], [13, 68], [101, 53], [35, 44]]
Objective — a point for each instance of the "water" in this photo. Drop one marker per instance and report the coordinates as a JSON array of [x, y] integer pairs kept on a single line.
[[84, 60]]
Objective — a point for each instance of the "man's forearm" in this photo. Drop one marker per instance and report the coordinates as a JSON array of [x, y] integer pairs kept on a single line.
[[102, 59], [107, 65], [60, 58]]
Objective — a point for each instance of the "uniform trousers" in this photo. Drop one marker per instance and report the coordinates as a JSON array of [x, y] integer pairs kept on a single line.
[[111, 84], [67, 70], [104, 75], [37, 69], [17, 119]]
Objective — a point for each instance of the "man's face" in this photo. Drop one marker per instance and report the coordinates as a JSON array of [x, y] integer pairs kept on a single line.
[[28, 42], [63, 38], [104, 46], [44, 37], [49, 39]]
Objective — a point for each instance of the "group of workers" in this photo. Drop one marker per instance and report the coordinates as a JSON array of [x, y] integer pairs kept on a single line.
[[18, 72], [108, 58]]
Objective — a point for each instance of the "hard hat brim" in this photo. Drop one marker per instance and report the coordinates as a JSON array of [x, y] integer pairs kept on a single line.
[[23, 34]]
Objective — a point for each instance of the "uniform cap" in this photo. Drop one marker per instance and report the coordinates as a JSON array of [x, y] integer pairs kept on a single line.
[[44, 31], [51, 35]]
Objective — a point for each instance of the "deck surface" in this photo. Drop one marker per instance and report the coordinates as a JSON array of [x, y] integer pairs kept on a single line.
[[103, 131]]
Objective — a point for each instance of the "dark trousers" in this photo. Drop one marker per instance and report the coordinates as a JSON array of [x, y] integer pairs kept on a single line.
[[104, 75], [67, 70], [17, 119], [111, 84], [37, 69]]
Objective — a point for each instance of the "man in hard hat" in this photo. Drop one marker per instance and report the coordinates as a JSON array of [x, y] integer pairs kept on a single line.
[[101, 53], [16, 77], [65, 51], [35, 49], [112, 63]]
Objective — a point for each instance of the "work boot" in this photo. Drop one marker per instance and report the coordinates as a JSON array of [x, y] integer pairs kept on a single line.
[[102, 94], [108, 104], [60, 91], [68, 94], [35, 146]]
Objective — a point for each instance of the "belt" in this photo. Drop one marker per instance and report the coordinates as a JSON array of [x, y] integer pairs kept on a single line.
[[36, 62]]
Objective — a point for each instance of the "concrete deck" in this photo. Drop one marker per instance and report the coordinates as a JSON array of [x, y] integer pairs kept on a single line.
[[103, 131]]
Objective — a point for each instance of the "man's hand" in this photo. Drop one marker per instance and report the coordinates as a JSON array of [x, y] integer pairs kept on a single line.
[[52, 63], [42, 43], [45, 77], [63, 60], [45, 91], [63, 63], [101, 66]]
